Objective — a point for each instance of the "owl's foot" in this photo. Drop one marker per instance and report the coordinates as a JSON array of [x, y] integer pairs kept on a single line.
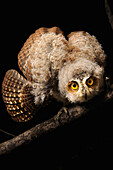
[[61, 112], [108, 84], [109, 88]]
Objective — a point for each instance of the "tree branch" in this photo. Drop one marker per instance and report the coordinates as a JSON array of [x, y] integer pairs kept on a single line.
[[7, 133], [63, 116], [40, 129], [109, 14]]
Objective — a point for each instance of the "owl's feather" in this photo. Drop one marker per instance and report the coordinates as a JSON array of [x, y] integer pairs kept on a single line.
[[82, 44], [35, 51], [17, 97]]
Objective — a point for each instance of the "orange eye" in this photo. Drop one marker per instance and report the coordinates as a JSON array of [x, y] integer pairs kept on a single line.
[[74, 85], [90, 81]]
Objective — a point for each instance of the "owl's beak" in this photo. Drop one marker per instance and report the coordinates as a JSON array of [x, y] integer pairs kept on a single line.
[[85, 94]]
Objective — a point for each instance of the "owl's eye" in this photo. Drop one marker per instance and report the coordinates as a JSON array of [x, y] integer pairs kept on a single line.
[[74, 85], [90, 81]]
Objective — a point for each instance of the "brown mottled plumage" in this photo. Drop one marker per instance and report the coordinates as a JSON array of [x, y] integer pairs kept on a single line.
[[71, 71]]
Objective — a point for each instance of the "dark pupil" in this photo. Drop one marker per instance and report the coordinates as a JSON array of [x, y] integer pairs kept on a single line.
[[89, 81], [74, 85]]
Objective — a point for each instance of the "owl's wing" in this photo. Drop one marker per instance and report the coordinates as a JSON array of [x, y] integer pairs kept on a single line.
[[17, 97], [29, 51]]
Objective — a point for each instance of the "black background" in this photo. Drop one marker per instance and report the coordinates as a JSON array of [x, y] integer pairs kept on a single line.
[[86, 141]]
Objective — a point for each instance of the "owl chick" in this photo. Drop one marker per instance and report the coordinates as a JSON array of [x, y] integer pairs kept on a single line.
[[70, 71]]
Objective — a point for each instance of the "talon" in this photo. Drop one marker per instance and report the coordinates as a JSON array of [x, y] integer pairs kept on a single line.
[[63, 109], [107, 79]]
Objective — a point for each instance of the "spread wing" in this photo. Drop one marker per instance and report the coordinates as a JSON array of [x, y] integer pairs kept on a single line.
[[17, 96]]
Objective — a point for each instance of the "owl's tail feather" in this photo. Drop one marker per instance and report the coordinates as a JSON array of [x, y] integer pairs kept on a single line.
[[17, 96]]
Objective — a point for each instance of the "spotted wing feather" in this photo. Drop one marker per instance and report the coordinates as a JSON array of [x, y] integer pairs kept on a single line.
[[17, 97]]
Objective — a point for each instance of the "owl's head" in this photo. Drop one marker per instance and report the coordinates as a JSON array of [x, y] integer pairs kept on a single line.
[[81, 80]]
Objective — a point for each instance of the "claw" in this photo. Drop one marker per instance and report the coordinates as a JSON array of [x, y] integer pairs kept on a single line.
[[62, 111]]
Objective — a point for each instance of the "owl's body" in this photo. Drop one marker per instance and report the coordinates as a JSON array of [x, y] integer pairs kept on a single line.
[[71, 71]]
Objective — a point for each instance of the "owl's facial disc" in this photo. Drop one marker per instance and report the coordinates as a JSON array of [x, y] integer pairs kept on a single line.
[[82, 90], [80, 80]]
